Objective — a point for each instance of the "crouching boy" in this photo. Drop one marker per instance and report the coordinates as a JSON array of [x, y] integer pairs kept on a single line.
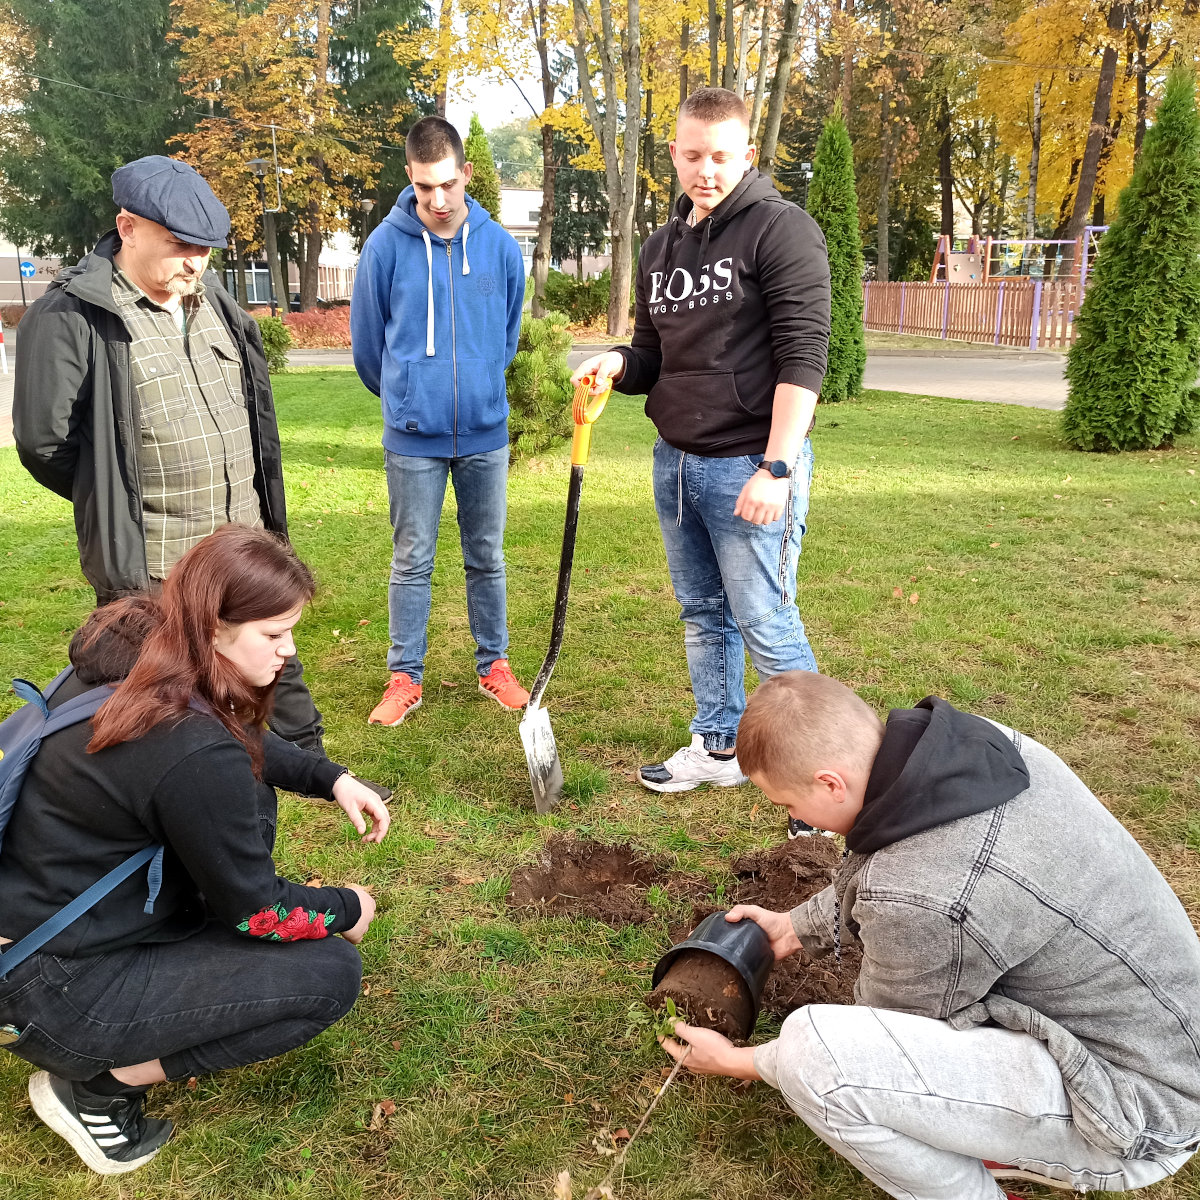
[[1028, 1005]]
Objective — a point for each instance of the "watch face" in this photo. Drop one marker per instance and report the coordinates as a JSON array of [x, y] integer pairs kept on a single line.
[[777, 467]]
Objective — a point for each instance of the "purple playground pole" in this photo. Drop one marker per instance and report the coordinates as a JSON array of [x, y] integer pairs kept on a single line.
[[1037, 313]]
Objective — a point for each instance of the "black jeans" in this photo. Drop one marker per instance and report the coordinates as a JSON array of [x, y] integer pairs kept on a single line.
[[294, 715], [213, 1001]]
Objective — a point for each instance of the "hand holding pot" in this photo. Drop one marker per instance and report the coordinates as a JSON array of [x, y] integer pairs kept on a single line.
[[776, 925], [711, 1053]]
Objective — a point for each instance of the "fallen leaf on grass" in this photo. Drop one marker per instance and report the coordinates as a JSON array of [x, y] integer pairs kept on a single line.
[[622, 1135], [314, 881], [562, 1186], [1016, 437], [898, 593], [366, 988], [380, 1114], [364, 621], [914, 597], [569, 1098], [754, 812], [993, 544], [448, 683], [191, 1084], [397, 1045]]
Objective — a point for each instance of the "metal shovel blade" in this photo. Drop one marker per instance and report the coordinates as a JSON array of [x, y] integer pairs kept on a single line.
[[541, 755]]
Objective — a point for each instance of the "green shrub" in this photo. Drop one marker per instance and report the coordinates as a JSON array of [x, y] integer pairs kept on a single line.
[[1132, 370], [583, 302], [276, 340], [539, 386]]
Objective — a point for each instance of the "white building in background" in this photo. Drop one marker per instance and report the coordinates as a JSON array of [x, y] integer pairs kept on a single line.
[[335, 274], [520, 211]]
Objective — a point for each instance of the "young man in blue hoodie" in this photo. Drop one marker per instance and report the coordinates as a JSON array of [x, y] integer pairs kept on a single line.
[[434, 323]]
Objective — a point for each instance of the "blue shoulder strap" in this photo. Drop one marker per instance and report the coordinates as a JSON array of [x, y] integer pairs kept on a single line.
[[79, 708], [31, 943]]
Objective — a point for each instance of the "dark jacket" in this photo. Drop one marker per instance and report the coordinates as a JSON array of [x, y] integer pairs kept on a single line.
[[187, 785], [986, 884], [76, 424], [725, 311]]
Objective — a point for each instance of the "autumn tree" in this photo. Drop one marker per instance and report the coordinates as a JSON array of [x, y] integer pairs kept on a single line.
[[1132, 370], [834, 207], [262, 69], [61, 143], [485, 183]]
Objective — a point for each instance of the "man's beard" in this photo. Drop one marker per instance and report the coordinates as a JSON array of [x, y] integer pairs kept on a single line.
[[183, 285]]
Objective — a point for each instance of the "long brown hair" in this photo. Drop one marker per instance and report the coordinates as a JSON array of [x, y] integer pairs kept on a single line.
[[234, 575]]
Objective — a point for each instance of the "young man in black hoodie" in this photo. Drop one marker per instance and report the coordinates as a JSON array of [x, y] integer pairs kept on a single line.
[[1028, 1005], [730, 343]]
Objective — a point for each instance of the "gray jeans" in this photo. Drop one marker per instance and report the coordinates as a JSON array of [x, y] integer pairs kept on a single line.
[[916, 1105]]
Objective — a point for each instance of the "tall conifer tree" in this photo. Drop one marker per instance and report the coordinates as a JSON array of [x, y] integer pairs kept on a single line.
[[1132, 370], [834, 206], [485, 183]]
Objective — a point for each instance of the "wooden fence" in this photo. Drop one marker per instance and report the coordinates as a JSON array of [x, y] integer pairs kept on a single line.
[[1036, 314]]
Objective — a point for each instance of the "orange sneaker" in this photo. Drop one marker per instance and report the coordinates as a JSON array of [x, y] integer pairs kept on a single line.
[[399, 699], [502, 686]]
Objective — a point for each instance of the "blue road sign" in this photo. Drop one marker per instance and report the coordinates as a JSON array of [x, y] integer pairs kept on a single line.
[[28, 270]]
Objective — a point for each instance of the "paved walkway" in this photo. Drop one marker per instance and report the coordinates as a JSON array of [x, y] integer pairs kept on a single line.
[[1035, 380], [1003, 377]]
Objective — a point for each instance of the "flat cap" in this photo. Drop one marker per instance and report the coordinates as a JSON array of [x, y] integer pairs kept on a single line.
[[173, 194]]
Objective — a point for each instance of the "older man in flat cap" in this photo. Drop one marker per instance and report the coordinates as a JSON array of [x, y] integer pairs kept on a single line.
[[142, 396]]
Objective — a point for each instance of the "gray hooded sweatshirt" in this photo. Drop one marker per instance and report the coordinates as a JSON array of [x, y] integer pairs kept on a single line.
[[986, 884]]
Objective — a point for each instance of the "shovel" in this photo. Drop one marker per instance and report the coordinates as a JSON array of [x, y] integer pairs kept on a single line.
[[541, 753]]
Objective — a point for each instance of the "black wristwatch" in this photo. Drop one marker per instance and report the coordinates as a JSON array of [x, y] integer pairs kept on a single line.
[[778, 468]]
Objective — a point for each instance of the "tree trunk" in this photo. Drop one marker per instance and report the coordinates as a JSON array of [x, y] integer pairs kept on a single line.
[[729, 76], [310, 274], [946, 165], [847, 62], [714, 44], [274, 267], [739, 79], [1035, 154], [760, 80], [1098, 128], [541, 252], [1142, 36], [649, 213], [883, 208], [684, 36], [783, 71], [996, 217], [446, 47], [620, 153]]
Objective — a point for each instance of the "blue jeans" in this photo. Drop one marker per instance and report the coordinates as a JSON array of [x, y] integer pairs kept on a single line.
[[735, 582], [416, 490]]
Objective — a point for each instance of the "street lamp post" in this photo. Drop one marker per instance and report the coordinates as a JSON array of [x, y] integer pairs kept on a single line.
[[365, 205], [808, 174], [258, 168]]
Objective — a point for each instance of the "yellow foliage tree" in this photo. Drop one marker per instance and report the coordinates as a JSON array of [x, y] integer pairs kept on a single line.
[[261, 67]]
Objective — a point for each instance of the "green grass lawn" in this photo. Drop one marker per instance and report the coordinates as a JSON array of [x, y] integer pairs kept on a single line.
[[955, 548]]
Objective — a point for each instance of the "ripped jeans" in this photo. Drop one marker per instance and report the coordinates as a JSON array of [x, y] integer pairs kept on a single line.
[[735, 582]]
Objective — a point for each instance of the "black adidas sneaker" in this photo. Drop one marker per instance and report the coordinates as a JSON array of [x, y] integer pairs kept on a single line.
[[110, 1133]]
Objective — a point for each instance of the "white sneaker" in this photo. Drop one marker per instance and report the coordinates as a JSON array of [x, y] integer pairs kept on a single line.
[[689, 767], [798, 829]]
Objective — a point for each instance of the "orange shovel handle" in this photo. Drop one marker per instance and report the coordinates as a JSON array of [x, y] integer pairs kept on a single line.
[[586, 410]]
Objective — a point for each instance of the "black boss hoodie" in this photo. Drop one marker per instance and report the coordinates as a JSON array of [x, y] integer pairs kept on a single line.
[[725, 311]]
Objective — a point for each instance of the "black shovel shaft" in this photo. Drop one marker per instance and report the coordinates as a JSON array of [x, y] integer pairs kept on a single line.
[[565, 562]]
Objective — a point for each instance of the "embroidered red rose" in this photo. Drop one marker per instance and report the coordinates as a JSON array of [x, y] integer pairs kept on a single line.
[[317, 928], [263, 922], [293, 926]]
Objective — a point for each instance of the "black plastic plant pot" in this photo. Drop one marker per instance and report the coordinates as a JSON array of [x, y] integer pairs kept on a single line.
[[743, 944]]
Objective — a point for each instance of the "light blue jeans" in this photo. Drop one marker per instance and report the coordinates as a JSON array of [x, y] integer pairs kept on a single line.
[[916, 1105], [735, 582], [416, 492]]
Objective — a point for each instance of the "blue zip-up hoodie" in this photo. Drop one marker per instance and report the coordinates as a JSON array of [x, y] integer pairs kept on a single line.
[[434, 324]]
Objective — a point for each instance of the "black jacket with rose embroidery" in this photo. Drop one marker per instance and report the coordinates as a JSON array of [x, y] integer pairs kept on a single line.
[[188, 785]]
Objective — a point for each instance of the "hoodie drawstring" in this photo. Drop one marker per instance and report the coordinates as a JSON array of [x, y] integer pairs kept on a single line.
[[466, 231], [429, 350]]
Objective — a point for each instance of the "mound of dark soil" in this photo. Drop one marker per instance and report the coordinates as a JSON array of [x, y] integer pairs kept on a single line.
[[707, 992], [780, 878], [587, 879]]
